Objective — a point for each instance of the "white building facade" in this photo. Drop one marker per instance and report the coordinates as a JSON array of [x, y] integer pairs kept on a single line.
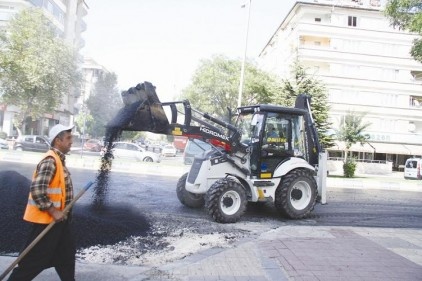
[[366, 67], [91, 71], [67, 17]]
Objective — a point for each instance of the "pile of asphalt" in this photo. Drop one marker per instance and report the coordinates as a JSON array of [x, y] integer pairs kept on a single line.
[[14, 188], [92, 224]]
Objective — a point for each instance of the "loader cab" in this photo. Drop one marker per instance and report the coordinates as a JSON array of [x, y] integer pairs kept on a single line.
[[273, 135]]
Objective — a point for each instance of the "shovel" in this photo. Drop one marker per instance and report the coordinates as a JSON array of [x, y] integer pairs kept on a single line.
[[42, 234]]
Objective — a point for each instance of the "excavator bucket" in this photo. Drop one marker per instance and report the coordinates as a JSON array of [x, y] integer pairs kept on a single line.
[[142, 111]]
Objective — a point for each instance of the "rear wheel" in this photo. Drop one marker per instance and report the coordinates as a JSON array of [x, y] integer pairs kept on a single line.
[[148, 159], [296, 195], [226, 201], [187, 198]]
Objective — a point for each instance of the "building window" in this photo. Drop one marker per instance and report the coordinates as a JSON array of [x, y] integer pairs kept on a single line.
[[48, 6], [375, 3], [351, 21], [415, 101]]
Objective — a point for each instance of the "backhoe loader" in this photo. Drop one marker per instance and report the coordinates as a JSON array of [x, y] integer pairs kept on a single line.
[[270, 154]]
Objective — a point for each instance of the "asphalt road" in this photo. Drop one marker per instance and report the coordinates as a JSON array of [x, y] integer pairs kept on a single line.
[[147, 206]]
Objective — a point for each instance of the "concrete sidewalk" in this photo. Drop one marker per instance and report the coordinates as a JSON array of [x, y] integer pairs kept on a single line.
[[290, 252]]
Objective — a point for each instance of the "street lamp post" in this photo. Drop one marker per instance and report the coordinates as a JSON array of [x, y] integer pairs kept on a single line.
[[242, 70]]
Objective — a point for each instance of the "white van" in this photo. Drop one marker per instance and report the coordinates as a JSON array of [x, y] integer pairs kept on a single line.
[[412, 168]]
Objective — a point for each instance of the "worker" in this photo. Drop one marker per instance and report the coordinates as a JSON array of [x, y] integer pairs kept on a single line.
[[50, 191], [271, 132]]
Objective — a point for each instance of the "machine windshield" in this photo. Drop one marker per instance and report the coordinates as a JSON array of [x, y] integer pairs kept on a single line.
[[284, 134], [250, 126]]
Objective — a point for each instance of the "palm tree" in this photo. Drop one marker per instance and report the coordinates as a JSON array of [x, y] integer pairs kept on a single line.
[[351, 131]]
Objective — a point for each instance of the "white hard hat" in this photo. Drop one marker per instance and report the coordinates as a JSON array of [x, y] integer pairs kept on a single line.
[[57, 129]]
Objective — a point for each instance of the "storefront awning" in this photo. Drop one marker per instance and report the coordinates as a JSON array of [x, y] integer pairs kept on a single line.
[[339, 145], [391, 148], [388, 148], [415, 150]]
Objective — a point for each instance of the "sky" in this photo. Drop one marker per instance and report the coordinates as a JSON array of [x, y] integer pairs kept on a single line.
[[163, 41]]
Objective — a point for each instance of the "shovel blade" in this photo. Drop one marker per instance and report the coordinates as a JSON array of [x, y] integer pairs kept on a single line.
[[142, 111]]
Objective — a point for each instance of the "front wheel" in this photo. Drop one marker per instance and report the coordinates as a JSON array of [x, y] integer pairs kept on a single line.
[[226, 201], [296, 195], [187, 198]]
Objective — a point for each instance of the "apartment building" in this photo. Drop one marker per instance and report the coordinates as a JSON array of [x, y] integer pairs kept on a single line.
[[366, 67], [67, 17], [91, 71]]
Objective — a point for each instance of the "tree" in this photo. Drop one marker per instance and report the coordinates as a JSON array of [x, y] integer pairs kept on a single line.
[[407, 15], [84, 121], [103, 103], [215, 86], [302, 83], [351, 130], [37, 68]]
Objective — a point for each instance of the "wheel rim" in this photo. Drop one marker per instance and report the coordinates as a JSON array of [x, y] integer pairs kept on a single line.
[[230, 202], [148, 159], [300, 195]]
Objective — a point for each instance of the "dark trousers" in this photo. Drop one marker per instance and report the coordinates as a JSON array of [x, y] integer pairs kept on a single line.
[[56, 249]]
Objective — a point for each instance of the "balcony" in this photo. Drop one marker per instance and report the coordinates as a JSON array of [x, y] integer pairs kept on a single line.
[[330, 54]]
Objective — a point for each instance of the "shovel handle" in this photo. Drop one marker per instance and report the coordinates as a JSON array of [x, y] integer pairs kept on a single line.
[[42, 234]]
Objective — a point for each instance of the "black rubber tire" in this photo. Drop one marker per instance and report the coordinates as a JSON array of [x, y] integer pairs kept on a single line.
[[226, 200], [148, 159], [187, 198], [301, 184]]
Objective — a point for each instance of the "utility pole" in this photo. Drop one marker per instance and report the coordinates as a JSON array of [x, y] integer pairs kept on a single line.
[[242, 71]]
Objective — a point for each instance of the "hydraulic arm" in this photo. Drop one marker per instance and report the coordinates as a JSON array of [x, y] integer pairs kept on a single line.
[[143, 111]]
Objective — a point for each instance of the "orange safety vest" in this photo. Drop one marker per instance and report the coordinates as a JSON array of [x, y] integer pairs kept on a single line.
[[56, 192]]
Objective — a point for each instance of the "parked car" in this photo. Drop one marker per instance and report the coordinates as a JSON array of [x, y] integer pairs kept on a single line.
[[412, 168], [92, 145], [134, 151], [169, 150], [32, 143], [4, 144], [194, 147]]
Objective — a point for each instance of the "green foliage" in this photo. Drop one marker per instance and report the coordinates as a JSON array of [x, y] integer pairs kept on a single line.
[[349, 168], [37, 67], [128, 135], [407, 15], [3, 135], [302, 83], [84, 122], [103, 103], [416, 51], [215, 86], [140, 135], [351, 129]]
